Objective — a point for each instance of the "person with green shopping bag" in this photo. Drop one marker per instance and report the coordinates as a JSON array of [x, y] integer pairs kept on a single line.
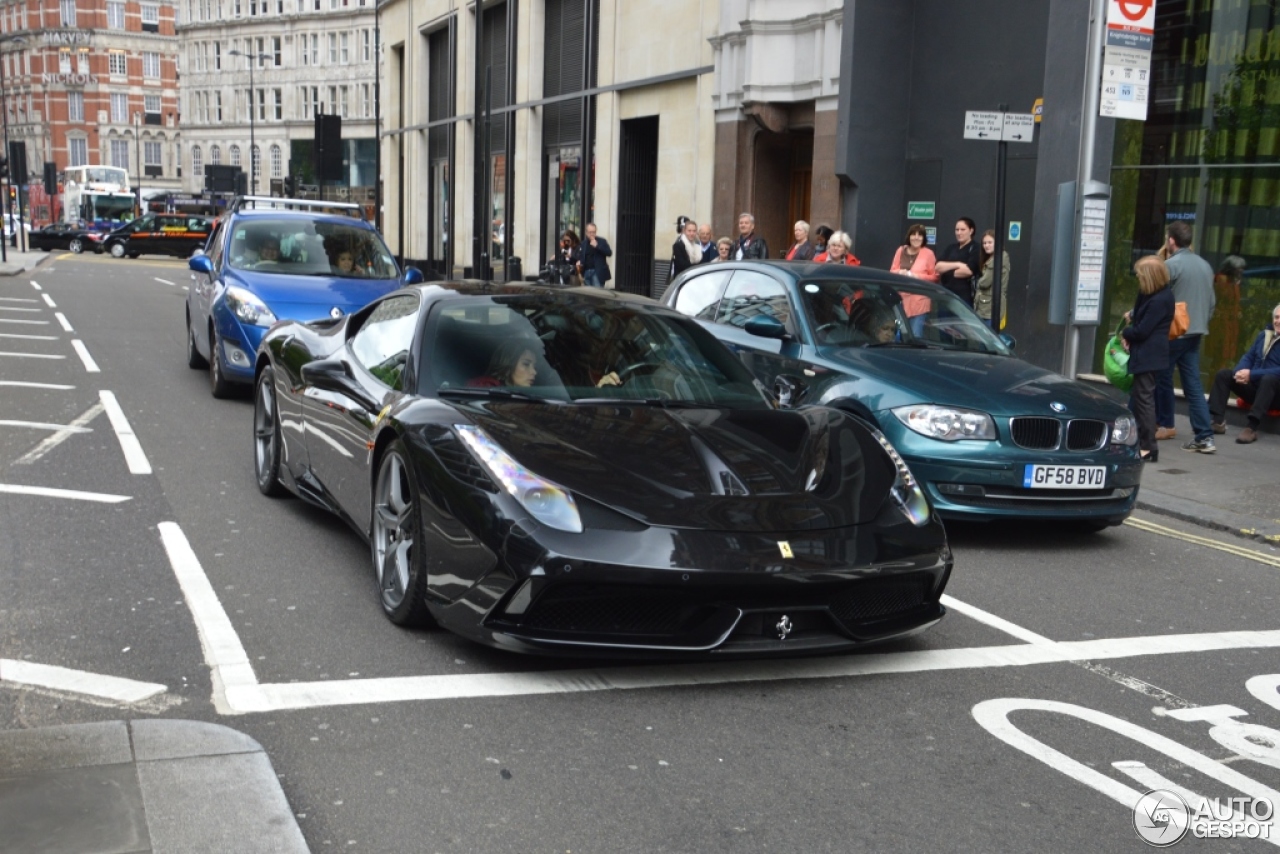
[[1147, 340]]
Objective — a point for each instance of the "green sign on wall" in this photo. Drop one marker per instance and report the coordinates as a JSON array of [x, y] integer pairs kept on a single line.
[[920, 210]]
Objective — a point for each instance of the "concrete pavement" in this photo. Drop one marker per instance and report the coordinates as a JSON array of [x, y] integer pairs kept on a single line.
[[21, 262]]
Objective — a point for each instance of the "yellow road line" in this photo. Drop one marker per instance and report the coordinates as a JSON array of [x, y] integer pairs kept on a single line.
[[1229, 548]]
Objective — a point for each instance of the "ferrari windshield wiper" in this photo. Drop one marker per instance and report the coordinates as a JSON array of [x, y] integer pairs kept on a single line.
[[918, 345], [644, 401], [499, 393]]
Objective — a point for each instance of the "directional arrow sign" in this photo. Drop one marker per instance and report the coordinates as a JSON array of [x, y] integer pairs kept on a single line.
[[1018, 127], [980, 125]]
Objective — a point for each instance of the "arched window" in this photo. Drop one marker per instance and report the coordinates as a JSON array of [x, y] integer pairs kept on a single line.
[[215, 155], [197, 161], [235, 155], [277, 162]]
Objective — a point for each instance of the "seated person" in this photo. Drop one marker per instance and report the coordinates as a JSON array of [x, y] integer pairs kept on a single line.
[[1255, 380], [515, 363], [344, 264], [873, 320], [266, 254]]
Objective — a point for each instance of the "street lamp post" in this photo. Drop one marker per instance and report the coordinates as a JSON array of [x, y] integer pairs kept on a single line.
[[253, 145], [4, 114], [137, 154]]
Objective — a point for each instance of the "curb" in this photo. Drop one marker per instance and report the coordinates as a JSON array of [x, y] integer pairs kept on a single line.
[[1207, 516]]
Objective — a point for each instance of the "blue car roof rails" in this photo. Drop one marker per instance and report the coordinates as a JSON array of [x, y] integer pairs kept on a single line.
[[277, 203]]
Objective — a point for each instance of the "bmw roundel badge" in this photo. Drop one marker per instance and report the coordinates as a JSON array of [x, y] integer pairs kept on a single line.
[[1058, 407]]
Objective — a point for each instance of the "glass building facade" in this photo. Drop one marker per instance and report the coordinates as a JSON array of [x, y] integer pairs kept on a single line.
[[1209, 154]]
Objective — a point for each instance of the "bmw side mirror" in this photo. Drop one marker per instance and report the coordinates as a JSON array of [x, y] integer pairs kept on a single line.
[[201, 264], [1009, 340], [413, 276], [766, 326]]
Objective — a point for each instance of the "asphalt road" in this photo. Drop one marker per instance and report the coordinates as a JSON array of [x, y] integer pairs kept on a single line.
[[999, 729]]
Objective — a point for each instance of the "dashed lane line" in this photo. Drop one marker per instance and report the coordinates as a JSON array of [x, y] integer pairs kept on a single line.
[[69, 494], [83, 352], [17, 308], [62, 320], [31, 355], [163, 281], [112, 688], [41, 425], [36, 285], [17, 299], [1229, 548], [48, 300], [29, 337], [51, 386], [28, 322], [134, 456], [51, 442]]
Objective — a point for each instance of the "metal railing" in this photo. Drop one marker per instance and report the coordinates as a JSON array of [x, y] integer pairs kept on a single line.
[[240, 203]]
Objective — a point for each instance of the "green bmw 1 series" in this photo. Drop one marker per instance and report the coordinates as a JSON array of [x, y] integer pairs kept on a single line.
[[989, 435]]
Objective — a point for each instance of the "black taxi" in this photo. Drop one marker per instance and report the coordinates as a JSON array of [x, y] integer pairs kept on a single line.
[[159, 234]]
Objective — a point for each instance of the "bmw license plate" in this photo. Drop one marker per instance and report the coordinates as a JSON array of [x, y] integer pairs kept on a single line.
[[1064, 477]]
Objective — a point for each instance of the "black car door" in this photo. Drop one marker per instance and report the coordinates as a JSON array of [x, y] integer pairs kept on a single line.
[[339, 425]]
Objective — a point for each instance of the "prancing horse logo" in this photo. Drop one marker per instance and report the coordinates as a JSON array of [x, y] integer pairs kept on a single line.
[[784, 627], [785, 548]]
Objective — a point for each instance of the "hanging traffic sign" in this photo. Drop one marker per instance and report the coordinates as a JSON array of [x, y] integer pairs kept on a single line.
[[1018, 127], [983, 125]]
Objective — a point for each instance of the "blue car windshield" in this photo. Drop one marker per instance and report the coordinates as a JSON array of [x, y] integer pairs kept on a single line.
[[877, 314], [303, 247], [567, 348]]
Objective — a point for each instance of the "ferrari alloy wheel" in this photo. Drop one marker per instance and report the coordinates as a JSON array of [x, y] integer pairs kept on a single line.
[[397, 556], [194, 359], [76, 245], [218, 384], [266, 435], [117, 250]]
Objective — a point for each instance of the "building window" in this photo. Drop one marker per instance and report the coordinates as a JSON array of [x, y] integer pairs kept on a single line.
[[77, 152], [304, 103], [345, 53], [120, 153], [262, 105], [236, 8], [277, 106], [235, 155], [217, 106], [68, 10], [150, 18], [119, 107], [151, 104], [274, 50], [315, 100], [333, 48], [197, 161], [151, 154], [82, 61], [117, 62], [366, 45], [366, 102], [342, 101], [215, 155], [115, 15], [75, 106], [333, 99], [277, 162], [150, 65], [64, 61]]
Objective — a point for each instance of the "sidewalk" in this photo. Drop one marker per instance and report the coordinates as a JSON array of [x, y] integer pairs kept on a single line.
[[132, 787], [21, 262]]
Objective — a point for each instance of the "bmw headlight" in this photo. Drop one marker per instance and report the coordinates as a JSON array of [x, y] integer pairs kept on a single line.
[[948, 423], [549, 504], [906, 494], [1124, 431], [248, 308]]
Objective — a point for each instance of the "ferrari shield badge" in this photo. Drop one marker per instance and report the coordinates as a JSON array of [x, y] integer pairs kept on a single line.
[[785, 548]]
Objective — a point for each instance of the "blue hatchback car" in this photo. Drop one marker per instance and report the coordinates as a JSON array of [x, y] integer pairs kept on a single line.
[[988, 435], [272, 259]]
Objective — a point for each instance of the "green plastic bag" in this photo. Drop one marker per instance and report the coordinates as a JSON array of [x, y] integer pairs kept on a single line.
[[1115, 362]]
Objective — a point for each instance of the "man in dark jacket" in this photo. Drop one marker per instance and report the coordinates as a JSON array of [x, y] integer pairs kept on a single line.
[[1255, 380], [749, 246], [595, 255], [707, 238]]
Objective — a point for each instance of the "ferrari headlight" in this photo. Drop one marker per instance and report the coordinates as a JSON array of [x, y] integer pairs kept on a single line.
[[1124, 431], [549, 504], [905, 493], [248, 308], [947, 423]]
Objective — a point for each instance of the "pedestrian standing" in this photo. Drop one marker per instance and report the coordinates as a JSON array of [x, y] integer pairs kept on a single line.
[[821, 234], [985, 294], [1147, 340], [749, 245], [838, 245], [567, 258], [959, 263], [916, 260], [595, 258], [1191, 281], [724, 250], [706, 237], [802, 250], [686, 251]]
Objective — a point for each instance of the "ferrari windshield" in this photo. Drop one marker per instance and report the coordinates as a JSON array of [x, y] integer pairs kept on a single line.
[[876, 314], [569, 347], [293, 246]]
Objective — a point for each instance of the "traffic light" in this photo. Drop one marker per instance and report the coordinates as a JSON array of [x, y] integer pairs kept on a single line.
[[290, 186], [4, 168]]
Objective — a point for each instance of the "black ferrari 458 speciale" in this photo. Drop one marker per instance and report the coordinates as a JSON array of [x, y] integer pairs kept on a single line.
[[581, 471]]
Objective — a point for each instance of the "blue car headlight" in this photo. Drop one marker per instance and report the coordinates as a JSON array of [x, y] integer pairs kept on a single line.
[[551, 505], [948, 423], [1124, 431], [248, 308], [905, 493]]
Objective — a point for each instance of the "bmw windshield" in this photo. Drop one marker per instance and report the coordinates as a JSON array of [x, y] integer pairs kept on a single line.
[[876, 314], [296, 246], [565, 347]]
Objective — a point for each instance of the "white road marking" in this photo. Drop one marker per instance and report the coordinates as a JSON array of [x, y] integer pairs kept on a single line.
[[28, 322], [29, 337], [185, 288], [62, 319], [22, 384], [223, 651], [133, 453], [97, 685], [41, 425], [83, 352], [17, 299], [31, 355], [162, 281], [71, 494], [7, 308], [51, 442], [48, 300], [36, 286]]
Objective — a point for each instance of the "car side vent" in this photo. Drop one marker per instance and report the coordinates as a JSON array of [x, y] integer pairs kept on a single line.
[[1085, 435], [457, 460], [1035, 433]]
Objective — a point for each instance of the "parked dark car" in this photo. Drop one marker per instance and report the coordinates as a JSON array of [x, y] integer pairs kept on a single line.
[[581, 471], [159, 234], [65, 235], [988, 435]]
